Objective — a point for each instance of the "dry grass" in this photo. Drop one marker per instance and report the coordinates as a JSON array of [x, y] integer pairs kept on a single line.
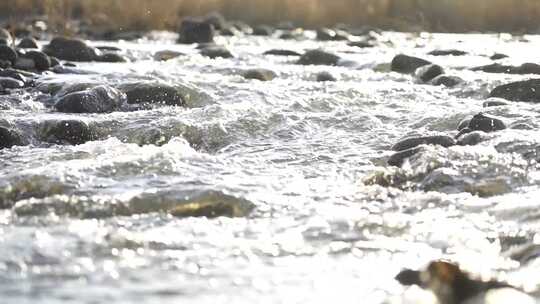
[[433, 15]]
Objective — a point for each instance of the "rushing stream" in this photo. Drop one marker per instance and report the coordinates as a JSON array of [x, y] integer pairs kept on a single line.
[[331, 223]]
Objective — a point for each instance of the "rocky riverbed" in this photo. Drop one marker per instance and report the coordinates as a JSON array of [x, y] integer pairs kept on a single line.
[[237, 164]]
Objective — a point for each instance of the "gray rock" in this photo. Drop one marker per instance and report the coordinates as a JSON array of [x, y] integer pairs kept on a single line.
[[325, 76], [42, 62], [484, 123], [262, 30], [447, 81], [318, 57], [152, 93], [527, 91], [447, 53], [397, 159], [11, 83], [70, 49], [196, 31], [471, 139], [407, 64], [9, 138], [100, 99], [111, 57], [280, 52], [215, 52], [259, 74], [428, 72], [494, 102], [28, 43], [166, 55], [326, 34], [411, 142], [73, 132], [8, 54]]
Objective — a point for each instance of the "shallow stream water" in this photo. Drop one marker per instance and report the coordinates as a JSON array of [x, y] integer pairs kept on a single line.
[[307, 154]]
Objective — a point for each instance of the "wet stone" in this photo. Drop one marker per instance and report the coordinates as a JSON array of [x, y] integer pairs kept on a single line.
[[9, 138], [428, 72], [41, 61], [527, 91], [28, 43], [397, 159], [325, 76], [166, 55], [471, 139], [195, 31], [8, 54], [326, 34], [259, 74], [440, 140], [216, 52], [484, 123], [494, 102], [152, 93], [407, 64], [70, 49], [498, 56], [447, 53], [6, 36], [318, 57], [11, 83], [100, 99], [73, 132], [361, 44], [447, 81], [280, 52], [111, 57], [262, 30], [213, 205]]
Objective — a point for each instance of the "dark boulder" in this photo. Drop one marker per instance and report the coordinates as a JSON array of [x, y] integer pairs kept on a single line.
[[152, 93], [100, 99], [259, 74], [472, 138], [111, 57], [195, 31], [526, 68], [493, 68], [447, 53], [397, 159], [498, 56], [11, 73], [42, 62], [428, 72], [262, 30], [494, 102], [10, 137], [318, 57], [166, 55], [54, 61], [3, 41], [325, 76], [361, 44], [28, 43], [216, 51], [326, 34], [447, 81], [73, 132], [108, 48], [279, 52], [5, 64], [527, 90], [8, 54], [411, 142], [70, 49], [484, 123], [407, 64], [10, 83]]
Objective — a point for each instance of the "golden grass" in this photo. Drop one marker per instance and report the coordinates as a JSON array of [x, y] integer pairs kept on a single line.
[[431, 15]]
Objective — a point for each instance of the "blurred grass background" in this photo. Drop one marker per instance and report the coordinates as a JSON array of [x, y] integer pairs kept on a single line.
[[406, 15]]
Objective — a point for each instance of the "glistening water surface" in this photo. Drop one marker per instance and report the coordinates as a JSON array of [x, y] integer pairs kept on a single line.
[[87, 224]]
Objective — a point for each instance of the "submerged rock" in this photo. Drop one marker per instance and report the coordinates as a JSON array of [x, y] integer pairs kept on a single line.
[[152, 93], [361, 44], [472, 138], [494, 102], [447, 81], [447, 53], [428, 72], [8, 54], [407, 64], [9, 138], [216, 51], [325, 76], [498, 56], [70, 49], [196, 31], [527, 90], [318, 57], [111, 57], [280, 52], [397, 159], [28, 43], [411, 142], [166, 55], [482, 122], [74, 132], [259, 74], [99, 99], [10, 83]]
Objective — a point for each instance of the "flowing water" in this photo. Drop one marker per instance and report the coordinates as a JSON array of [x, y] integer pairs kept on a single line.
[[87, 225]]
